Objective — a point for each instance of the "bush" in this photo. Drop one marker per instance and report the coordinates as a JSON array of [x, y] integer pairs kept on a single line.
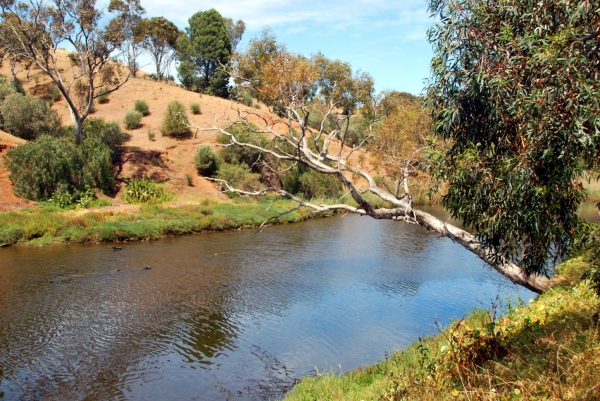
[[145, 191], [55, 93], [195, 108], [205, 160], [142, 107], [103, 96], [303, 181], [241, 154], [239, 176], [42, 167], [174, 123], [133, 119], [27, 117]]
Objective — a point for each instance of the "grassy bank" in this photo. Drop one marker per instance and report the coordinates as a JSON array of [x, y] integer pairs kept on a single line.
[[546, 350], [52, 225]]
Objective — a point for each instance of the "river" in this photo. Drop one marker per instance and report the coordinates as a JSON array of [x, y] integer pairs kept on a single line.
[[233, 315]]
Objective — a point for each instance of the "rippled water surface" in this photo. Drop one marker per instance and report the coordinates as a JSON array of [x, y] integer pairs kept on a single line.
[[226, 315]]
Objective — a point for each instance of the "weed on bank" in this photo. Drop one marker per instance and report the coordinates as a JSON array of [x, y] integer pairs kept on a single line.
[[54, 225]]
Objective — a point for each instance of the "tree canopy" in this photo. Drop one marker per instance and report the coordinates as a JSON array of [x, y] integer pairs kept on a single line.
[[515, 89], [34, 31], [160, 39], [203, 52]]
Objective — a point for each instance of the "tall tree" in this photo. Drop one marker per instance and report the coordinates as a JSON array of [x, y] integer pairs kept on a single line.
[[160, 40], [130, 12], [515, 87], [203, 52], [39, 28]]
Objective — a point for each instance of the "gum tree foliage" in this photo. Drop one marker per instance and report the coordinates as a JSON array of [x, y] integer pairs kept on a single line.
[[38, 28], [203, 53], [515, 89], [289, 84], [130, 13], [235, 31], [160, 40]]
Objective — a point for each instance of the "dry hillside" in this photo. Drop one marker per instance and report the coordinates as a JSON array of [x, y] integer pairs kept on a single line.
[[162, 158]]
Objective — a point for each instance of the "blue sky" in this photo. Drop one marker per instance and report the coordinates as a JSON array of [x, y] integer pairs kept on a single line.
[[385, 38]]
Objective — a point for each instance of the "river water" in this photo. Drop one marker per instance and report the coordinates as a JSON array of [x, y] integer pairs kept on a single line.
[[233, 315]]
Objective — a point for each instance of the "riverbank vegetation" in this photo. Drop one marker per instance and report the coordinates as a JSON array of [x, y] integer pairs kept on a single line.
[[51, 224], [545, 348]]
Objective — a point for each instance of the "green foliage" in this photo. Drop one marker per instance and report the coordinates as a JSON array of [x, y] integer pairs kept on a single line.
[[151, 135], [195, 108], [242, 154], [78, 200], [55, 94], [522, 119], [203, 51], [133, 119], [205, 160], [239, 176], [189, 180], [160, 40], [174, 123], [142, 107], [49, 224], [310, 184], [145, 191], [102, 98], [42, 167], [27, 117]]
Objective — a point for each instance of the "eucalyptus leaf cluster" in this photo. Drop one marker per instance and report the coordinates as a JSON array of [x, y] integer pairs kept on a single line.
[[515, 90]]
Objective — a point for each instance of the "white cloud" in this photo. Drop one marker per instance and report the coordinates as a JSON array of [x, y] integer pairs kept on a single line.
[[280, 14]]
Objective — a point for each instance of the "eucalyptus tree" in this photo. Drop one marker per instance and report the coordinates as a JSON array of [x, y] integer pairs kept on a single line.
[[289, 83], [38, 28], [515, 90], [235, 31], [130, 12], [160, 40]]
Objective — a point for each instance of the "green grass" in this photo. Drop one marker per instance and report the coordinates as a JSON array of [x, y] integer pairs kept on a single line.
[[53, 225], [547, 350]]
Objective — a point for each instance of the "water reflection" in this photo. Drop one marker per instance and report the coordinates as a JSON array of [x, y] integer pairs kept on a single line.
[[227, 315]]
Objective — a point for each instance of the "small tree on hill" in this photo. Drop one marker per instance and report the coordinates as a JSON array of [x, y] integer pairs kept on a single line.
[[160, 40], [130, 14], [37, 29]]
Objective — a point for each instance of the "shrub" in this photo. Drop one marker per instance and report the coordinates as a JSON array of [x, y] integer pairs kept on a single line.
[[174, 123], [133, 119], [103, 96], [151, 135], [145, 191], [189, 179], [241, 154], [239, 176], [42, 167], [303, 181], [55, 94], [205, 160], [142, 107], [27, 117], [195, 108]]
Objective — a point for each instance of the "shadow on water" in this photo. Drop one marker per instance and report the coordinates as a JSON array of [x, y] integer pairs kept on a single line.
[[226, 315]]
